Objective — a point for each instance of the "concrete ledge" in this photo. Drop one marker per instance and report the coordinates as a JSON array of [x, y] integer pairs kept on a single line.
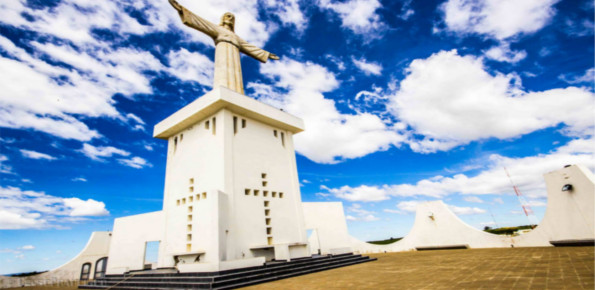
[[221, 98]]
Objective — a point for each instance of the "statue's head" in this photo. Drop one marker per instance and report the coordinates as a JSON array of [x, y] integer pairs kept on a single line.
[[228, 20]]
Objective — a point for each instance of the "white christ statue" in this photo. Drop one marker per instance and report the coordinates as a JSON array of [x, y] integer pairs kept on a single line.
[[228, 70]]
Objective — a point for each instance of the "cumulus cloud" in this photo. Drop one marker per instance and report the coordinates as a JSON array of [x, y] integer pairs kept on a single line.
[[499, 19], [331, 136], [81, 179], [526, 171], [191, 66], [467, 103], [369, 68], [359, 16], [503, 53], [21, 209], [36, 155]]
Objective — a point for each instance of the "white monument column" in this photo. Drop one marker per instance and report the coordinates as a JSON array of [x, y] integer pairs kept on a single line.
[[231, 196]]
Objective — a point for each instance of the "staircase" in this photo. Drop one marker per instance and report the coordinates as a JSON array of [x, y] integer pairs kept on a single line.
[[229, 279]]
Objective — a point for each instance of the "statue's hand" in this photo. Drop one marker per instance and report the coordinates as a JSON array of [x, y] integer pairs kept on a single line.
[[273, 56], [176, 5]]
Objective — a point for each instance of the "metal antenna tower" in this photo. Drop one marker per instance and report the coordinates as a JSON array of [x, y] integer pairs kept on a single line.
[[524, 204]]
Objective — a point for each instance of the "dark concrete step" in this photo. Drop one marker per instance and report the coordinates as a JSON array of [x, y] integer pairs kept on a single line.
[[204, 283], [227, 279]]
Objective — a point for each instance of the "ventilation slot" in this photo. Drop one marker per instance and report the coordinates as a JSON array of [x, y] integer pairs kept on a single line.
[[235, 125], [243, 123]]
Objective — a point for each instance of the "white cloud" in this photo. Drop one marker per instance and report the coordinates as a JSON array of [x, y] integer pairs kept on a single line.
[[191, 66], [5, 168], [360, 193], [36, 155], [526, 171], [503, 53], [466, 210], [358, 16], [473, 199], [536, 203], [135, 162], [369, 68], [101, 152], [499, 19], [411, 207], [288, 12], [498, 200], [331, 136], [406, 10], [392, 210], [21, 209], [587, 78], [81, 179], [27, 247], [361, 214], [466, 103], [87, 207]]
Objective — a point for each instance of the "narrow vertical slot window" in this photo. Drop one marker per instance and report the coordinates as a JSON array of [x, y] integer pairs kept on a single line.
[[267, 212], [178, 202], [267, 221], [190, 209], [189, 217], [214, 125], [207, 125], [181, 137], [270, 240], [189, 228], [235, 125], [183, 200], [275, 133], [191, 198], [265, 193], [266, 203], [243, 123], [189, 237], [175, 143], [204, 195], [283, 139], [269, 231], [191, 181], [198, 197], [191, 188], [280, 194], [188, 247], [256, 192], [274, 194]]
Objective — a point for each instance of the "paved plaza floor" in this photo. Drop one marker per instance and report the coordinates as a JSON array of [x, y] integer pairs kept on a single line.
[[518, 268], [514, 268]]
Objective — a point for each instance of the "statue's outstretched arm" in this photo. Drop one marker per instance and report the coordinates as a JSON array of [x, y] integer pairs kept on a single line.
[[256, 52], [195, 21]]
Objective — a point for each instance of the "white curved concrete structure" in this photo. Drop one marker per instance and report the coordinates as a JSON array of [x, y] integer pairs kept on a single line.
[[569, 214], [97, 247], [569, 217]]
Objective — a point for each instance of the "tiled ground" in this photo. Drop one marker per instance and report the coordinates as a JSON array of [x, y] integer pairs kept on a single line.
[[518, 268]]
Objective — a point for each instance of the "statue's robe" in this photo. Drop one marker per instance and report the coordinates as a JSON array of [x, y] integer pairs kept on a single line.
[[228, 70]]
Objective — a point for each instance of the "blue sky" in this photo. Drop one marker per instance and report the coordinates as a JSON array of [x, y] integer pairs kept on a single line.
[[403, 101]]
